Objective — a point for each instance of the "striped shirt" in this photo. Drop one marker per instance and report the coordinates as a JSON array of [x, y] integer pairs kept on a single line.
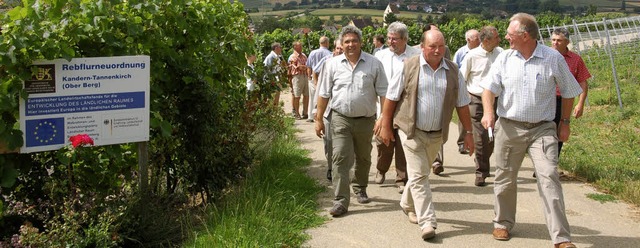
[[431, 90], [526, 87], [353, 91]]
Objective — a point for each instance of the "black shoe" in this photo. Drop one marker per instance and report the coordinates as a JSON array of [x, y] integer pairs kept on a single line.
[[329, 175], [480, 182], [362, 197], [305, 116], [337, 210], [462, 150], [437, 168]]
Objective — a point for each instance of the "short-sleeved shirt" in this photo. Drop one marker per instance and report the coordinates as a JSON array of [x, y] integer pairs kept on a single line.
[[526, 87], [300, 61], [475, 67], [460, 54], [577, 67], [274, 62], [394, 63], [316, 55], [353, 91], [432, 87]]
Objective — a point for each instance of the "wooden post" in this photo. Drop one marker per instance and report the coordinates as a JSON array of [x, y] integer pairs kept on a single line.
[[143, 169]]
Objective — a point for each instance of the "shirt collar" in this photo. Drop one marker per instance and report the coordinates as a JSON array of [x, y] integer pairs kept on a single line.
[[423, 63], [538, 51], [343, 57]]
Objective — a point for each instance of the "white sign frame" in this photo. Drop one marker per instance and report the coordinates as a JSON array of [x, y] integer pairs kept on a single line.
[[105, 97]]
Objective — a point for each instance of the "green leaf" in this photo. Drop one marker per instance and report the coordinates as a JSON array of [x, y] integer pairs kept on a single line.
[[166, 128], [17, 13], [15, 139], [8, 176]]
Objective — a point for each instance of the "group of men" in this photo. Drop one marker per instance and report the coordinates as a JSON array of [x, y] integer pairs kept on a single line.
[[507, 99]]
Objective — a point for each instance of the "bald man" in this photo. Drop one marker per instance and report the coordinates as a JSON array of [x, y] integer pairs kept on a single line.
[[420, 104]]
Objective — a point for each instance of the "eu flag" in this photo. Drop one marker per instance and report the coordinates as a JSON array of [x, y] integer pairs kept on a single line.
[[44, 132]]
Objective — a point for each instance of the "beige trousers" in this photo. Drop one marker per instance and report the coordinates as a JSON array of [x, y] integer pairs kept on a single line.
[[512, 140], [420, 153]]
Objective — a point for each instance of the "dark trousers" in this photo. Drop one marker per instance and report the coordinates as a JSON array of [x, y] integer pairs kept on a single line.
[[484, 148], [385, 156], [557, 119]]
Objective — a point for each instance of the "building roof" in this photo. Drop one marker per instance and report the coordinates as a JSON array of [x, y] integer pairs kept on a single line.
[[361, 23], [394, 8]]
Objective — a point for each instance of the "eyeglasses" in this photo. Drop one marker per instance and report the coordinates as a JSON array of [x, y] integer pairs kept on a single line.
[[394, 38], [514, 34]]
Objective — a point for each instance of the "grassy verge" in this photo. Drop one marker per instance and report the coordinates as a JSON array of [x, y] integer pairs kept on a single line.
[[604, 145], [271, 208]]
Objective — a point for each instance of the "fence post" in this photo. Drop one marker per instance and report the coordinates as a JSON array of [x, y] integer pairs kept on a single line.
[[576, 31], [599, 37], [613, 64]]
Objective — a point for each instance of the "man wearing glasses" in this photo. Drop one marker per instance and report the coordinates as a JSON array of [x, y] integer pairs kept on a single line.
[[525, 78]]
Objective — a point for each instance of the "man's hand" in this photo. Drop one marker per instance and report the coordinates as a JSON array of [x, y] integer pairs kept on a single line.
[[469, 144], [319, 127], [577, 111], [488, 120], [564, 130]]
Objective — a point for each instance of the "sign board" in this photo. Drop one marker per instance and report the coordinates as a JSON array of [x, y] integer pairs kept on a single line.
[[106, 98]]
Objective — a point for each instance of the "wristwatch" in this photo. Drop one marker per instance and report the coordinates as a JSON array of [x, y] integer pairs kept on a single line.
[[566, 120]]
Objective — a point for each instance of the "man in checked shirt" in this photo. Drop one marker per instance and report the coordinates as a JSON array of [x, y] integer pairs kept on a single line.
[[525, 78]]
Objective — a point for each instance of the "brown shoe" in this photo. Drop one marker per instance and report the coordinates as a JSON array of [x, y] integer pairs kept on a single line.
[[437, 168], [501, 234], [413, 218], [565, 245], [428, 233], [480, 182], [379, 179]]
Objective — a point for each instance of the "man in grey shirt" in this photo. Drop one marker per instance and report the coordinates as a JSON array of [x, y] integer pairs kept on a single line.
[[353, 81]]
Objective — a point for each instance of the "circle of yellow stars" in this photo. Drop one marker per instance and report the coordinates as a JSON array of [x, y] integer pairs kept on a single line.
[[45, 126]]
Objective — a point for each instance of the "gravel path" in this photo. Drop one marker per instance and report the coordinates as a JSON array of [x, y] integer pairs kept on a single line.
[[464, 211]]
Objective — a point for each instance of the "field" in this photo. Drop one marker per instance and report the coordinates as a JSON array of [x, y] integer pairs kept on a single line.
[[603, 5]]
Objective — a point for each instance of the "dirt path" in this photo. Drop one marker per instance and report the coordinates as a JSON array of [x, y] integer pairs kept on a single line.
[[464, 211]]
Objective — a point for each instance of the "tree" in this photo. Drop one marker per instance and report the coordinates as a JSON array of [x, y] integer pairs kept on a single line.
[[277, 6], [550, 5], [592, 10], [390, 18], [348, 3]]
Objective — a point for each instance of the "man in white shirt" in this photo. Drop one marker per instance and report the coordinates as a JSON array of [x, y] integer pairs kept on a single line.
[[276, 67], [392, 59], [475, 68], [524, 78]]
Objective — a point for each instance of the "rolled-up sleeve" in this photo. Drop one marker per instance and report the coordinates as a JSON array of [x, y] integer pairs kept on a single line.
[[493, 81], [463, 94], [381, 80], [326, 79]]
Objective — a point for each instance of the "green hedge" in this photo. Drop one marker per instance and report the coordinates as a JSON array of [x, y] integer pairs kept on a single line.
[[200, 124]]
